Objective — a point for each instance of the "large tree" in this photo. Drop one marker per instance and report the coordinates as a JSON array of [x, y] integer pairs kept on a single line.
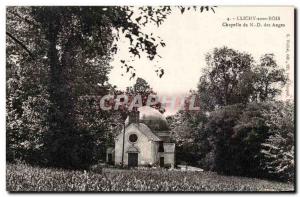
[[233, 77], [268, 78], [226, 77]]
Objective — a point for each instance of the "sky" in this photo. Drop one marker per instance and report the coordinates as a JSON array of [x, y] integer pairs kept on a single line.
[[190, 36]]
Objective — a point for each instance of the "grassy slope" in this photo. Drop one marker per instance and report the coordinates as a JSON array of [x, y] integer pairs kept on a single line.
[[21, 177]]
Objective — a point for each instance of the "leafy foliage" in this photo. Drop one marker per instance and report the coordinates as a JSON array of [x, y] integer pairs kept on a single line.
[[232, 77], [191, 144], [278, 149], [27, 100], [234, 132], [238, 132], [268, 77], [253, 140]]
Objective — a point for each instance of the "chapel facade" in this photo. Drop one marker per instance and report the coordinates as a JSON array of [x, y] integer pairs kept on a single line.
[[146, 141]]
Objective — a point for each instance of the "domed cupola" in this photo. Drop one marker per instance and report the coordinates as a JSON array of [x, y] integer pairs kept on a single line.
[[153, 119], [150, 117]]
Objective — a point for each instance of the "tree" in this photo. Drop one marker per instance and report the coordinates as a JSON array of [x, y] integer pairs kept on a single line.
[[220, 129], [191, 144], [278, 149], [35, 72], [232, 77], [187, 128], [226, 79], [268, 78], [141, 86], [73, 33], [231, 128], [27, 100], [255, 140], [250, 132], [237, 134]]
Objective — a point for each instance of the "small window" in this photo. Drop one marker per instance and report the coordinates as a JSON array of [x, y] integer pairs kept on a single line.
[[133, 138], [161, 147]]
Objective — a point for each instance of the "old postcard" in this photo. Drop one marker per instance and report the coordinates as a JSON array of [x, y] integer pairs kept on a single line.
[[150, 99]]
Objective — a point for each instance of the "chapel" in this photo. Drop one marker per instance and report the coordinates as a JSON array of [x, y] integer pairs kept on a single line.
[[146, 141]]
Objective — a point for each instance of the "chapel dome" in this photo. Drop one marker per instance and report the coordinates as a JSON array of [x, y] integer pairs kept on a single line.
[[153, 118]]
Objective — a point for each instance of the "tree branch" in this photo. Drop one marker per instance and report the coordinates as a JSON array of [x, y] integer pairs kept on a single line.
[[20, 43]]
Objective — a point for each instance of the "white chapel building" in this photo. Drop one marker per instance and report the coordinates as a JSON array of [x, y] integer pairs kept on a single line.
[[147, 141]]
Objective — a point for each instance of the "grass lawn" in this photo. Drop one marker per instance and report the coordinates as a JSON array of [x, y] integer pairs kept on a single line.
[[22, 177]]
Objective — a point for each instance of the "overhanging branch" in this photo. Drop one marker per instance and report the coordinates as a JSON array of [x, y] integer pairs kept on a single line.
[[20, 43]]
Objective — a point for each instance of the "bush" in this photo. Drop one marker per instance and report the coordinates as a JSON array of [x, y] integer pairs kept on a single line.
[[253, 140]]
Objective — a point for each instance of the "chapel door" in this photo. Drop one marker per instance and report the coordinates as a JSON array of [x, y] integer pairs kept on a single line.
[[132, 159], [161, 161], [110, 160]]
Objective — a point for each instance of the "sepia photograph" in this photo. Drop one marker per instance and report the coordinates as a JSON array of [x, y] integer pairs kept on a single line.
[[150, 98]]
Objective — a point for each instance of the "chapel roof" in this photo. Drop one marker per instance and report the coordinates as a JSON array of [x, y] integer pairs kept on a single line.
[[146, 131]]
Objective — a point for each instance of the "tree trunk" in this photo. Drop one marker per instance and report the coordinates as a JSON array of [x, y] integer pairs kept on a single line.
[[61, 117]]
